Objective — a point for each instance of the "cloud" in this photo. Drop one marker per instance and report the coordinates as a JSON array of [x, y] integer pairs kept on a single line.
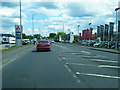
[[52, 15], [10, 4], [47, 5]]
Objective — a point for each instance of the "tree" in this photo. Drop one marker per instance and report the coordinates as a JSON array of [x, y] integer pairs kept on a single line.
[[29, 37], [37, 36], [64, 36], [23, 36], [52, 35]]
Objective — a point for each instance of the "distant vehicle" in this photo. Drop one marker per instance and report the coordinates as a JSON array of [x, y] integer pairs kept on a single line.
[[25, 41], [43, 45], [63, 41], [52, 41], [67, 41], [5, 40], [12, 40]]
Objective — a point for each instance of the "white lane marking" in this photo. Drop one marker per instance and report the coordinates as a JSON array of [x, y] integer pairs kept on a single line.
[[59, 59], [81, 64], [67, 68], [109, 66], [91, 65], [101, 60], [85, 52], [77, 79], [97, 75], [63, 58]]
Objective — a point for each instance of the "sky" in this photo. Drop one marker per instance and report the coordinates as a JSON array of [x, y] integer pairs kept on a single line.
[[51, 16]]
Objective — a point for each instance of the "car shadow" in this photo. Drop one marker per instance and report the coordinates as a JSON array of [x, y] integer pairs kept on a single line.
[[41, 51]]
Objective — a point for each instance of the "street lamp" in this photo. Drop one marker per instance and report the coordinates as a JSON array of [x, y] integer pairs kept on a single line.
[[116, 25], [33, 25], [69, 34], [89, 30], [78, 32]]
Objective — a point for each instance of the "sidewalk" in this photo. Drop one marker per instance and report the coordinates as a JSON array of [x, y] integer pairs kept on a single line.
[[105, 50]]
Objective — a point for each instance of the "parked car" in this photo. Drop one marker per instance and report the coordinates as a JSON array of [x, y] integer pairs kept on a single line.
[[91, 43], [43, 45], [114, 45], [110, 44], [25, 41], [103, 44], [52, 41], [67, 41], [97, 44], [63, 41]]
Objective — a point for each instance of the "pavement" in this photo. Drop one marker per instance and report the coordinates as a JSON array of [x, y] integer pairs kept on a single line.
[[116, 51], [106, 50]]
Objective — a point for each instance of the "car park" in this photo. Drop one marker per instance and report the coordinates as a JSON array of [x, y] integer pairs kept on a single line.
[[43, 45]]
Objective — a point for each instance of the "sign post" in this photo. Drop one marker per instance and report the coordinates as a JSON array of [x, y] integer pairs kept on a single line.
[[18, 32]]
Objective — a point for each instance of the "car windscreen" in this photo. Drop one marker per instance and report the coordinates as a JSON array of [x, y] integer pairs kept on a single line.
[[43, 42]]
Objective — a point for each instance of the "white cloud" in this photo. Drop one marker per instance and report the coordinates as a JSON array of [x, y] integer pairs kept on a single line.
[[71, 13]]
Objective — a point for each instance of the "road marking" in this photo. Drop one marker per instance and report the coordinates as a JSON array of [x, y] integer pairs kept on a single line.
[[67, 68], [91, 65], [85, 52], [97, 75], [81, 64], [107, 66], [101, 60], [63, 58], [59, 59], [77, 79]]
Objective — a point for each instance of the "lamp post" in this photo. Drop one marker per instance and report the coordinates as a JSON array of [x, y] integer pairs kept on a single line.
[[78, 32], [116, 25], [33, 25], [69, 34], [89, 30]]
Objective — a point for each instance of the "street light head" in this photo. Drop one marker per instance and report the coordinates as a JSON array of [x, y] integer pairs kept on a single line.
[[117, 8]]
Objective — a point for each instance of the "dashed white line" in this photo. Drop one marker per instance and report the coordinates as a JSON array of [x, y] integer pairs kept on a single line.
[[97, 75], [67, 68], [101, 60], [109, 66], [91, 65], [59, 59], [73, 74], [85, 52], [81, 64]]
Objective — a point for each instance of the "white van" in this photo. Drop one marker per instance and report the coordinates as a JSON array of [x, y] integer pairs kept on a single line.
[[12, 40]]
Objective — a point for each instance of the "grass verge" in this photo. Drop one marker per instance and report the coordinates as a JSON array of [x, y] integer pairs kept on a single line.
[[13, 47]]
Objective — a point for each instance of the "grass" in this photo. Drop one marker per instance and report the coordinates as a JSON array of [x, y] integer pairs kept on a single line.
[[13, 47], [10, 48]]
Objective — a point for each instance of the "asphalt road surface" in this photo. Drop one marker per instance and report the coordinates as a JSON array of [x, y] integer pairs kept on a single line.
[[65, 66]]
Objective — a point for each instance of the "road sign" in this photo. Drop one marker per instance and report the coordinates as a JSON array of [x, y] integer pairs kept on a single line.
[[18, 32]]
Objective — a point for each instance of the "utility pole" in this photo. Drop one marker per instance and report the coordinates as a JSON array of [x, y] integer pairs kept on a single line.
[[78, 33], [116, 26]]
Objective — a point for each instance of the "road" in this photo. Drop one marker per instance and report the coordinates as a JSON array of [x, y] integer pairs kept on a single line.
[[65, 66]]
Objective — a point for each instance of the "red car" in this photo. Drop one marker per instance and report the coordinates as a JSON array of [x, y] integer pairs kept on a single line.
[[43, 45]]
